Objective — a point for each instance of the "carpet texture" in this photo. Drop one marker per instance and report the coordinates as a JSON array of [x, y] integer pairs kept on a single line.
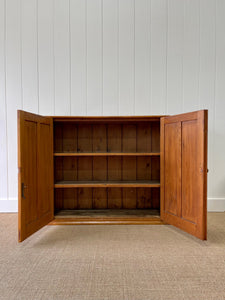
[[112, 262]]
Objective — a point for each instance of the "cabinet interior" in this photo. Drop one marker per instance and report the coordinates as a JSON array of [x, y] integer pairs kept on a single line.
[[109, 169]]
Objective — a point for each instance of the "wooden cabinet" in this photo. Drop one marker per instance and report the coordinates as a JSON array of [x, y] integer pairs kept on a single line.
[[113, 170]]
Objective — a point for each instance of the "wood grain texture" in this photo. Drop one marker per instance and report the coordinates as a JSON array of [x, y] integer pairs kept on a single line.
[[114, 133], [35, 181], [107, 154], [184, 176], [101, 183], [172, 168], [106, 221]]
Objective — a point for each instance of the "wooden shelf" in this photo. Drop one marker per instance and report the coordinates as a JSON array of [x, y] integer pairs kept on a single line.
[[94, 184], [106, 154]]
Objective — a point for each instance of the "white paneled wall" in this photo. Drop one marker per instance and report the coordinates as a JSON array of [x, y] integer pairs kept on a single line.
[[112, 57]]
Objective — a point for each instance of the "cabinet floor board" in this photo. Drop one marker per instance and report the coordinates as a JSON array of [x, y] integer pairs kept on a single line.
[[107, 217]]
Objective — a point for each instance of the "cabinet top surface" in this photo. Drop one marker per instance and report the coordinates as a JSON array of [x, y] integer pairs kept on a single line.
[[106, 118]]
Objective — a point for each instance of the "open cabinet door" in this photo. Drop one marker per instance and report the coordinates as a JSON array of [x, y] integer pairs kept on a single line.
[[35, 177], [184, 172]]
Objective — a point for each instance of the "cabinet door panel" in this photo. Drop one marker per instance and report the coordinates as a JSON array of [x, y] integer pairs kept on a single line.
[[35, 177], [184, 172]]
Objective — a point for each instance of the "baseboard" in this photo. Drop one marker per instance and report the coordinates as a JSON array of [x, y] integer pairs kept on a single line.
[[11, 205], [216, 204]]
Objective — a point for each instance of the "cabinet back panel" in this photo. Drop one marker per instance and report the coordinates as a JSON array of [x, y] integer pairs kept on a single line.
[[107, 198], [58, 137], [115, 168], [129, 198], [144, 168], [144, 198], [69, 141], [84, 168], [129, 140], [129, 168], [99, 168], [144, 138], [99, 138], [84, 198], [155, 200], [85, 138], [114, 198], [114, 134], [135, 137], [155, 135], [113, 137], [155, 168], [99, 198]]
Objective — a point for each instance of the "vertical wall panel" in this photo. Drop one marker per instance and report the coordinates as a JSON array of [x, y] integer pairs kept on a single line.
[[207, 76], [13, 87], [94, 57], [219, 140], [142, 57], [62, 57], [158, 56], [29, 55], [78, 32], [45, 57], [191, 56], [3, 128], [122, 57], [110, 57], [126, 57], [175, 46]]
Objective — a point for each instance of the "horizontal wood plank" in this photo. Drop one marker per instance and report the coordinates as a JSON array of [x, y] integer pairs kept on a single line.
[[106, 221], [76, 184], [106, 154]]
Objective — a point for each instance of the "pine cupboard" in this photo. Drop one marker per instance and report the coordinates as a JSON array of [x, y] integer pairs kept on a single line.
[[112, 170]]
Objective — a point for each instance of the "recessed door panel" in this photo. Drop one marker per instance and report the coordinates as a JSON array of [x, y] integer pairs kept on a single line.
[[29, 187], [172, 168], [190, 176]]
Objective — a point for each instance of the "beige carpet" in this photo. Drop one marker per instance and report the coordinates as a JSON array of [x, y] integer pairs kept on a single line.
[[112, 262]]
